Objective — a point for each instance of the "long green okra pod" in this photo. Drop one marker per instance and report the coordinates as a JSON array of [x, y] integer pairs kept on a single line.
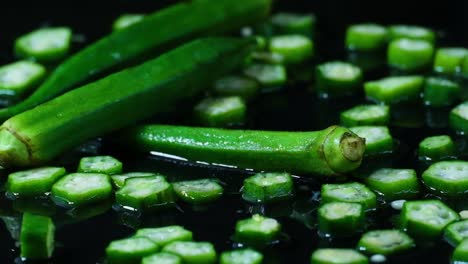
[[331, 151], [120, 99], [159, 31]]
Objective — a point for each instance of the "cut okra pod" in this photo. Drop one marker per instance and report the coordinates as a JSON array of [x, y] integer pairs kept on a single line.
[[352, 192], [19, 78], [291, 23], [198, 191], [119, 179], [130, 250], [130, 95], [340, 219], [392, 90], [411, 32], [267, 187], [337, 256], [234, 85], [45, 45], [165, 235], [221, 111], [33, 182], [458, 118], [162, 258], [126, 20], [410, 55], [241, 256], [456, 232], [294, 49], [37, 237], [100, 164], [449, 60], [336, 78], [257, 230], [439, 92], [437, 148], [268, 75], [378, 139], [426, 219], [366, 37], [366, 115], [449, 178], [328, 152], [192, 252], [394, 184], [460, 254], [385, 242]]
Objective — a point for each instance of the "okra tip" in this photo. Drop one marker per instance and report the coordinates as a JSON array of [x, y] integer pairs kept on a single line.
[[13, 151]]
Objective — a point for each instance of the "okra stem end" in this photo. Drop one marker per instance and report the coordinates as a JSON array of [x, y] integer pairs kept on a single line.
[[352, 147], [13, 151]]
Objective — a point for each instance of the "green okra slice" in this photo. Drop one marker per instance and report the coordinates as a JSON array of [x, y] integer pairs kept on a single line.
[[394, 184], [458, 118], [45, 44], [126, 20], [100, 164], [439, 92], [266, 57], [460, 254], [337, 78], [37, 237], [241, 256], [162, 258], [456, 232], [426, 219], [378, 139], [198, 191], [236, 85], [78, 189], [392, 90], [437, 148], [192, 252], [328, 152], [33, 182], [352, 192], [292, 23], [268, 187], [221, 111], [340, 218], [130, 95], [448, 178], [366, 115], [366, 37], [410, 55], [130, 250], [337, 256], [119, 179], [165, 235], [19, 78], [144, 193], [293, 48], [268, 75], [449, 60], [257, 230], [176, 24], [411, 32], [385, 242]]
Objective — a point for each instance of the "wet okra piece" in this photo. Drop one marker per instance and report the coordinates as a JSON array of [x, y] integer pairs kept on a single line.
[[33, 182], [119, 179], [268, 187], [426, 219], [257, 230], [143, 193], [162, 258], [458, 118], [221, 111], [340, 218], [268, 75], [294, 49], [337, 256], [241, 256], [77, 189], [392, 90], [130, 250], [192, 252], [291, 23], [352, 192], [165, 235], [456, 232], [37, 237], [18, 78], [100, 164], [378, 139], [45, 44], [394, 184], [437, 148], [126, 20], [410, 55], [460, 254], [385, 242], [337, 78], [411, 32], [449, 178], [236, 85], [449, 60], [266, 57], [198, 191], [439, 92], [366, 37], [366, 115]]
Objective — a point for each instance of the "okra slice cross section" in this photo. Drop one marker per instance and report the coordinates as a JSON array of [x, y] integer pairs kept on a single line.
[[257, 230], [267, 187], [460, 254], [162, 258], [198, 191], [45, 44], [241, 256], [366, 37], [410, 55], [447, 177], [337, 256], [366, 115], [33, 182], [439, 92], [437, 148], [18, 78], [192, 252], [396, 89], [130, 250], [458, 118], [337, 78], [456, 232], [378, 139], [394, 184], [352, 192], [100, 164], [385, 242], [293, 48], [37, 237], [221, 111], [340, 218], [165, 235], [119, 179]]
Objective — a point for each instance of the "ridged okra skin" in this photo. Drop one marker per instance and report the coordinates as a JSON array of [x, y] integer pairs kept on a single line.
[[174, 25], [331, 151], [119, 100]]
